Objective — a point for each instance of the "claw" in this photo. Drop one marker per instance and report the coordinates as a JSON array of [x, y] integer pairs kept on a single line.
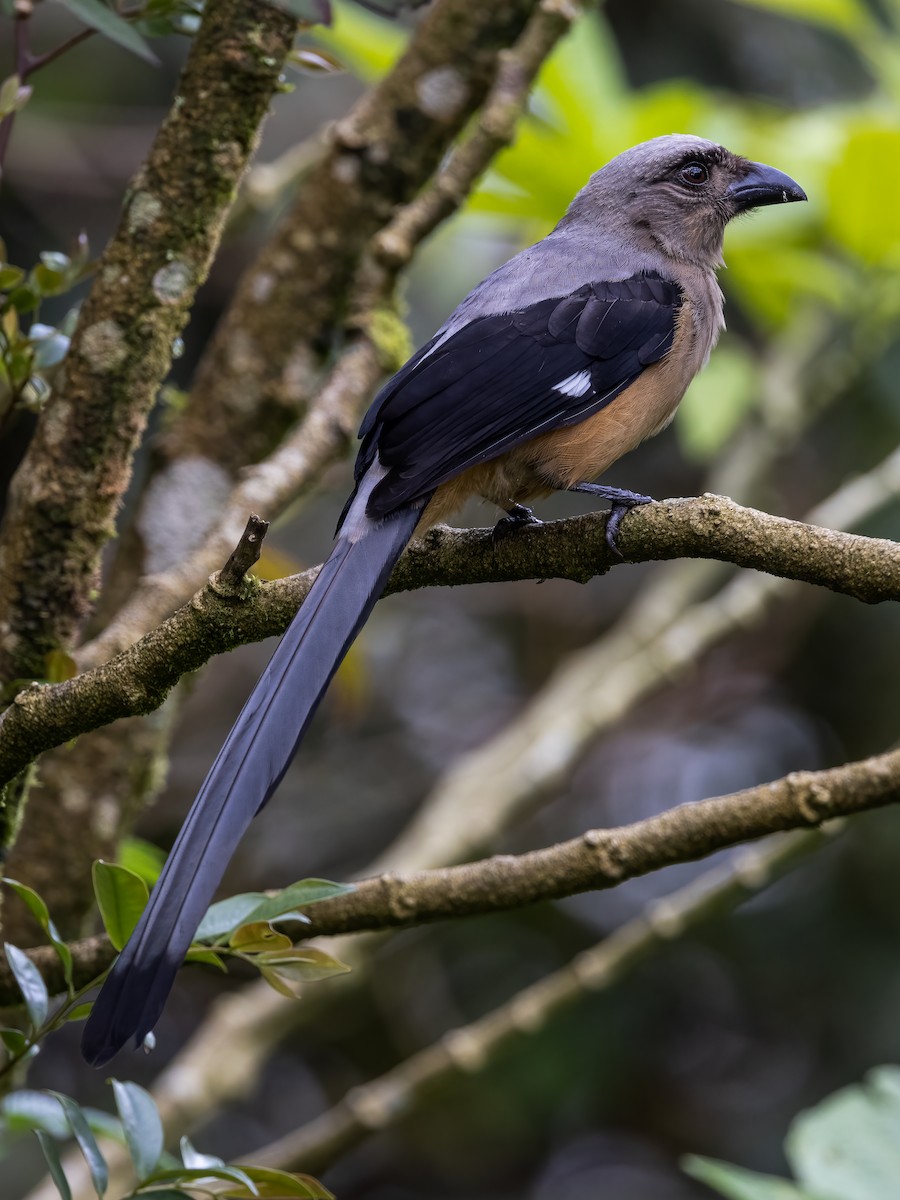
[[517, 518], [622, 501]]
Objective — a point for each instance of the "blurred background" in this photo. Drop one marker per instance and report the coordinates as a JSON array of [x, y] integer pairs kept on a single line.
[[716, 1042]]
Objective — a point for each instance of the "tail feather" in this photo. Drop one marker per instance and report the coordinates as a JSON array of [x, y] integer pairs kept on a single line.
[[246, 772]]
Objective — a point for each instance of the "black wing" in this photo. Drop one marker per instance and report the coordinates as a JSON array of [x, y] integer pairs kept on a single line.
[[503, 379]]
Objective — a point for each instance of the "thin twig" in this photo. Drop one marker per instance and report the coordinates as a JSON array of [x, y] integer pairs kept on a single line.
[[245, 554]]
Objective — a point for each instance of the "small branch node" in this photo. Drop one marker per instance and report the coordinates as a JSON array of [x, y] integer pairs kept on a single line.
[[376, 1107], [528, 1013], [752, 869], [608, 851], [592, 971], [465, 1050], [400, 896], [665, 919], [244, 556], [811, 799]]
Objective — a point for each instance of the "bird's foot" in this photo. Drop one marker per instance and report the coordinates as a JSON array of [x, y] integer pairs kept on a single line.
[[517, 518], [622, 502]]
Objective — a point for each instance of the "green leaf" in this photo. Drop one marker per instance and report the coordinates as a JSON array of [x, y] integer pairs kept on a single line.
[[56, 261], [141, 1125], [80, 1012], [87, 1144], [104, 1124], [738, 1184], [193, 1159], [24, 299], [122, 896], [9, 89], [28, 1109], [49, 351], [302, 964], [10, 276], [297, 895], [141, 857], [277, 984], [41, 913], [281, 1183], [257, 937], [31, 985], [14, 1040], [190, 1175], [14, 95], [209, 958], [98, 16], [54, 1166], [226, 915], [849, 1145]]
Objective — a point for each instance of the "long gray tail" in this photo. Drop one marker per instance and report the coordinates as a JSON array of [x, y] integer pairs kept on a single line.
[[246, 772]]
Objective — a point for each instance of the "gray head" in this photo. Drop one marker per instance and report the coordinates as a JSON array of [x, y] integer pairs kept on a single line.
[[676, 194]]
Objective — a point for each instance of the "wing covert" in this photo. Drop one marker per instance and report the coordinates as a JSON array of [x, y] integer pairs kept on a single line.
[[504, 378]]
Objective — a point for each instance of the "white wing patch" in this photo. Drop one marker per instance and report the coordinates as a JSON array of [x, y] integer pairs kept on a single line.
[[576, 385]]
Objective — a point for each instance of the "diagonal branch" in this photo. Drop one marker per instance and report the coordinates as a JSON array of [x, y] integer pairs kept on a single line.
[[383, 1102], [137, 681], [598, 859]]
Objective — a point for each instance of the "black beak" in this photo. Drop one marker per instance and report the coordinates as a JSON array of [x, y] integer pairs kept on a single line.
[[763, 185]]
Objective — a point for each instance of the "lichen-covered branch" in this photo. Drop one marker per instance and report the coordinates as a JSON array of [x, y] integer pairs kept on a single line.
[[65, 496], [138, 679], [598, 859]]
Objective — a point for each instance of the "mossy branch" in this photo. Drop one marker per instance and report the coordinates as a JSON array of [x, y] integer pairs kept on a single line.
[[66, 494], [218, 619]]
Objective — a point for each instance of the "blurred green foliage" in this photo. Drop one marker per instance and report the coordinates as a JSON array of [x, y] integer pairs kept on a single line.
[[241, 927], [833, 261], [846, 1148]]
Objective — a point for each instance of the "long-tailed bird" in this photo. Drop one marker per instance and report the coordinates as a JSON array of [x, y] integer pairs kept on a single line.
[[576, 350]]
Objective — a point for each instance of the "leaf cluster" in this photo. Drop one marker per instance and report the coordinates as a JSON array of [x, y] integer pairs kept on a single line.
[[31, 351], [241, 927]]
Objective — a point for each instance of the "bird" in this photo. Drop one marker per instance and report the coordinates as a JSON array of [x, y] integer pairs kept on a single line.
[[558, 363]]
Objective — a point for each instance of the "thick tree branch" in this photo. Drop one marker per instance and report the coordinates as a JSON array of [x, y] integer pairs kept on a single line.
[[138, 680], [598, 859], [65, 495]]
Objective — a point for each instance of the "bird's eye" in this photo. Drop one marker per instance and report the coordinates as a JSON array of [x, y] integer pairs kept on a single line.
[[694, 173]]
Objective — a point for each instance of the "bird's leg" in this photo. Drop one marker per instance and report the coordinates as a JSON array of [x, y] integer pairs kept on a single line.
[[518, 516], [622, 502]]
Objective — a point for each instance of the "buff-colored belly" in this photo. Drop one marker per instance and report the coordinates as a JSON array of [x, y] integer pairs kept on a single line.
[[578, 453]]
